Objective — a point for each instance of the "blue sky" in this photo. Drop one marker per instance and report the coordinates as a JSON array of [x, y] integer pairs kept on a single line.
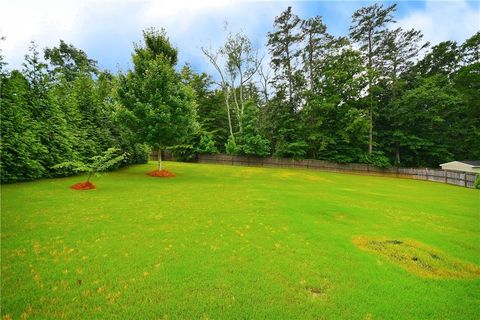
[[106, 29]]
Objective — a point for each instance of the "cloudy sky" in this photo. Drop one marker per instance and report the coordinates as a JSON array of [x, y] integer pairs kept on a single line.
[[107, 29]]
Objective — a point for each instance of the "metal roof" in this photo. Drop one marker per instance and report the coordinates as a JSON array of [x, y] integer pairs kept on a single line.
[[473, 163]]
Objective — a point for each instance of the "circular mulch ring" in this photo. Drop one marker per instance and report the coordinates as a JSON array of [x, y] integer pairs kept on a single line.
[[83, 186], [161, 174]]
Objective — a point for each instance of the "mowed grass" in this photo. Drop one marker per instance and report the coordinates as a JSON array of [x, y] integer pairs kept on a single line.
[[223, 242]]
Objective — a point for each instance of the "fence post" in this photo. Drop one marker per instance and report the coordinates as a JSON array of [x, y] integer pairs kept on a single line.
[[465, 178], [446, 176]]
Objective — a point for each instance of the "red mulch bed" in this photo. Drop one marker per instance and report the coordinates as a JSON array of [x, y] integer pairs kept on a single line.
[[83, 186], [161, 174]]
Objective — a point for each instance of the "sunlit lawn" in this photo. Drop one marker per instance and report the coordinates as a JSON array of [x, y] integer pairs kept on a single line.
[[223, 242]]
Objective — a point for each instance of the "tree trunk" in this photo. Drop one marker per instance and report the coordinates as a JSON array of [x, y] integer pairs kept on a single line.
[[370, 133], [397, 154], [89, 176], [227, 95], [310, 60], [239, 111], [370, 80], [159, 159]]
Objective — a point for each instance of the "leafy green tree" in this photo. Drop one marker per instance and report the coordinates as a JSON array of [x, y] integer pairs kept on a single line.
[[211, 111], [99, 163], [161, 109], [470, 49], [444, 58], [399, 49], [465, 129], [69, 62], [249, 141], [334, 123], [424, 115]]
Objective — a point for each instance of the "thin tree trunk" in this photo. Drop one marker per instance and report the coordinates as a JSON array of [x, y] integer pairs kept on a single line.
[[228, 112], [394, 98], [397, 154], [310, 60], [370, 133], [159, 159], [89, 176], [241, 94], [238, 113]]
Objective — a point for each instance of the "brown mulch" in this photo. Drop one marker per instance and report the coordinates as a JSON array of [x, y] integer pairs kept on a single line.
[[161, 174], [83, 186]]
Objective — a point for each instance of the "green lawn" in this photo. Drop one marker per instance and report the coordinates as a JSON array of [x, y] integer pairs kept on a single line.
[[223, 242]]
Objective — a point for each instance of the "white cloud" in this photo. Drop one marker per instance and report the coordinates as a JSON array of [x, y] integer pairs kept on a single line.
[[44, 22], [107, 28], [189, 24], [193, 24], [441, 21]]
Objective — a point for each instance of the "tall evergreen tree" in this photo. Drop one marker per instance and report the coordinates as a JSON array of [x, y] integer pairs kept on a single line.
[[368, 25], [316, 43], [284, 46]]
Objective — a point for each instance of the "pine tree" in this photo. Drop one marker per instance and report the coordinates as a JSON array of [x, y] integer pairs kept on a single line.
[[368, 26]]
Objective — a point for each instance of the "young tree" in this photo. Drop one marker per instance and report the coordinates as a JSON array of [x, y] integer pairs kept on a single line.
[[160, 108], [368, 26], [249, 141], [99, 163]]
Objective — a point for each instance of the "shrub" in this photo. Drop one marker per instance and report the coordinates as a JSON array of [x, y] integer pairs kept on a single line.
[[377, 159], [201, 142], [140, 154], [231, 146], [476, 184], [296, 150], [108, 160]]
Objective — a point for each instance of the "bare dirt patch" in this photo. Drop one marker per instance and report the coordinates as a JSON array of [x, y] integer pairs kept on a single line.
[[418, 258], [161, 174]]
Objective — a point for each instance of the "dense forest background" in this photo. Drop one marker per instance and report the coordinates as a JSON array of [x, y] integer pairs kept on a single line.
[[380, 95]]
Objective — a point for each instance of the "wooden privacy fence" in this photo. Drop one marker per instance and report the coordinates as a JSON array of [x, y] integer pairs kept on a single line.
[[459, 178], [166, 155]]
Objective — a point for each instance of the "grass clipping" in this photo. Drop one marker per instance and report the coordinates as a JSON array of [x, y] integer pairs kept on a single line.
[[418, 258]]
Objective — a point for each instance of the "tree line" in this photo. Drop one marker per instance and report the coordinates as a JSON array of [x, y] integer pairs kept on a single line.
[[379, 95]]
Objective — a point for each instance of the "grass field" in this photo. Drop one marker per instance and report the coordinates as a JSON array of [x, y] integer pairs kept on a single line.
[[222, 242]]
